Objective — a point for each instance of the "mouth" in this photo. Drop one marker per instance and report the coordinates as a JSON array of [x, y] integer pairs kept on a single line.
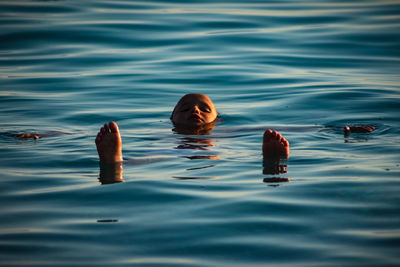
[[195, 118]]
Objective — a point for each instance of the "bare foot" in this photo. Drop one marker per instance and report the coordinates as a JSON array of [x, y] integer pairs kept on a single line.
[[109, 143], [274, 145]]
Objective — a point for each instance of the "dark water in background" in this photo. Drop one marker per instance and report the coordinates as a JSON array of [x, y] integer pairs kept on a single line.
[[293, 65]]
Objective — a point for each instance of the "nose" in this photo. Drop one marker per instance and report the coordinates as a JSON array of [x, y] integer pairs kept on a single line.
[[195, 110]]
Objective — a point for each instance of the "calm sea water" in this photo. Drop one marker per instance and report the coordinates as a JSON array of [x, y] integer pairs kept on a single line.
[[296, 66]]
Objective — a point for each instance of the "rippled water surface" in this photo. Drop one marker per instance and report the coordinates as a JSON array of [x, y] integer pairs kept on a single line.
[[306, 68]]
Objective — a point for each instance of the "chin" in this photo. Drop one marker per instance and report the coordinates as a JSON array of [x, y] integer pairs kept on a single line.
[[194, 128], [194, 123]]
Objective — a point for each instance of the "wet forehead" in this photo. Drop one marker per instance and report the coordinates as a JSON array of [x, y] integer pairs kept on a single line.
[[196, 99]]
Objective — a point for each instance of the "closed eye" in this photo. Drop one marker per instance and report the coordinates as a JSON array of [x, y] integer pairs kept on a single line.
[[184, 108], [205, 109]]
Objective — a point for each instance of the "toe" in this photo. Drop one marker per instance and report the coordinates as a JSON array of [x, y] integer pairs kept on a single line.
[[267, 135], [268, 132], [285, 142], [278, 136], [106, 128], [113, 127]]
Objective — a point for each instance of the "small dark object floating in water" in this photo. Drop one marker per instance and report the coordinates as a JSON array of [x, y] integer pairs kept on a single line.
[[107, 221], [192, 178], [276, 180]]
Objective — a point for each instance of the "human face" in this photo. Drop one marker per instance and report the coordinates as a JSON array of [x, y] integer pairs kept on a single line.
[[194, 110]]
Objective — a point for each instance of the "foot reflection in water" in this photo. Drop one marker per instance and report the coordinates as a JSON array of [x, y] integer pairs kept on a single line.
[[274, 166], [111, 173]]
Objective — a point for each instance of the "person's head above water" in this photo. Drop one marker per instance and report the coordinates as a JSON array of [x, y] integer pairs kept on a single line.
[[194, 110]]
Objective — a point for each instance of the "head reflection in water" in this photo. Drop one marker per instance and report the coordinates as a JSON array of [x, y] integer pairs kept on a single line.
[[194, 114]]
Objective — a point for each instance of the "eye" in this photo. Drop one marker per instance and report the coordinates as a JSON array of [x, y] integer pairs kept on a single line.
[[184, 109], [205, 109]]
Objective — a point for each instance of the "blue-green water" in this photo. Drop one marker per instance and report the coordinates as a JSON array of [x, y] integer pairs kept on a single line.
[[297, 66]]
